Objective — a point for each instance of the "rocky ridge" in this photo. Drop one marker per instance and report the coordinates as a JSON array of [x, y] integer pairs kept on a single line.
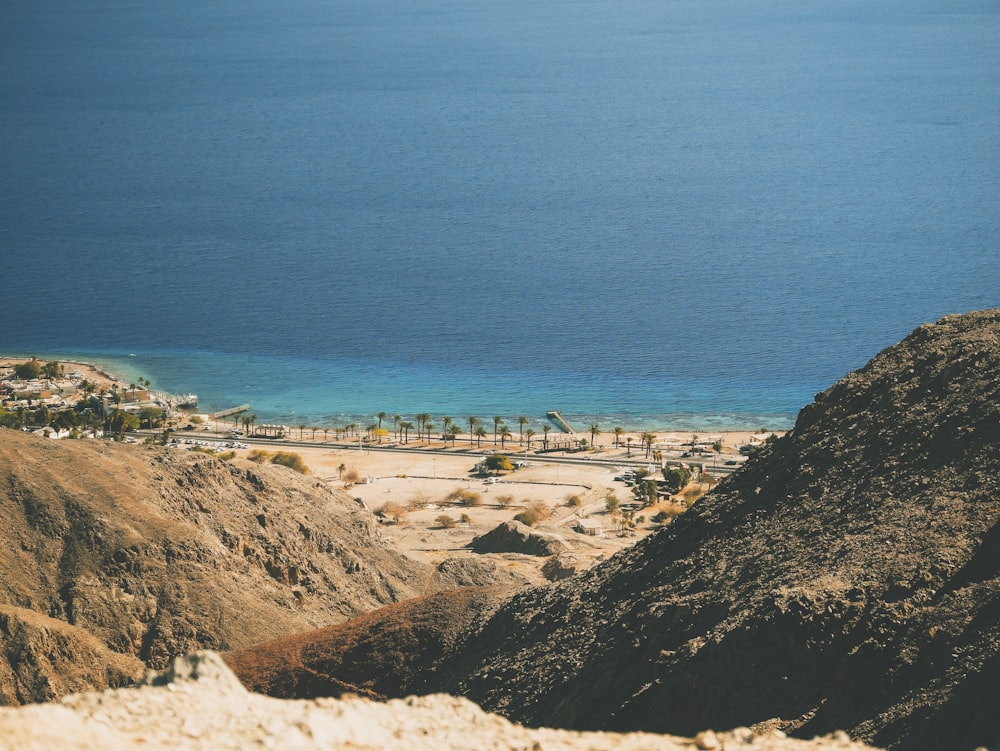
[[848, 577], [198, 705]]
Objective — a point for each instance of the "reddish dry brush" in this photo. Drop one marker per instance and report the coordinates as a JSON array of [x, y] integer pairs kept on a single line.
[[390, 652]]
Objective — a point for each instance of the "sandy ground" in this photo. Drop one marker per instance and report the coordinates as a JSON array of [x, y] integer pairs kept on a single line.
[[420, 476]]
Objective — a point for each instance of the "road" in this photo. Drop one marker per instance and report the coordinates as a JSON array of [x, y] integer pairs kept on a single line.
[[711, 467]]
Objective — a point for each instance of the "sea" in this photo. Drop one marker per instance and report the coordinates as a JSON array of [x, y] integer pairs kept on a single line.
[[676, 214]]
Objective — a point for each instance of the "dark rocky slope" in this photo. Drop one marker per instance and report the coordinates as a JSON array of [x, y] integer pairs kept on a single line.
[[848, 577], [155, 553]]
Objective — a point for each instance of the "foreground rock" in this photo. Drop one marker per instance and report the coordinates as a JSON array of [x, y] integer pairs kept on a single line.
[[847, 577], [155, 553], [198, 705]]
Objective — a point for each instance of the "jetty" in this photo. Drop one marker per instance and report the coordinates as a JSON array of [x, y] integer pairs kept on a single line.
[[557, 418], [230, 411]]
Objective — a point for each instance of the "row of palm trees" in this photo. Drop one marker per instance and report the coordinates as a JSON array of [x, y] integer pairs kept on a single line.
[[423, 426]]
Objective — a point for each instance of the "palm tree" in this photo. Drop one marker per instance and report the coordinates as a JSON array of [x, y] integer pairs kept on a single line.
[[529, 434], [628, 445], [405, 427], [326, 434], [522, 421], [340, 471], [428, 427], [497, 422], [253, 419], [473, 423], [480, 432], [422, 419], [546, 428], [647, 439], [381, 416], [595, 430], [619, 431], [504, 434], [445, 425], [395, 422], [301, 426]]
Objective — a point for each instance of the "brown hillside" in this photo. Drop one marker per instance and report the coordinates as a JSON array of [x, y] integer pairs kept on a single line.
[[158, 552], [391, 652], [43, 659], [848, 577]]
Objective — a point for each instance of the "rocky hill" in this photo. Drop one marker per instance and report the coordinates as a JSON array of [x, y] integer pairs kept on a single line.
[[115, 557], [847, 577]]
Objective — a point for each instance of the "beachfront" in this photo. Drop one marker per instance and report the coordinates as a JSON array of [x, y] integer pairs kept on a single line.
[[426, 484]]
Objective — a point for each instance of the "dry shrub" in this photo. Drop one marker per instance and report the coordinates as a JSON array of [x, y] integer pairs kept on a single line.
[[692, 494], [534, 512], [445, 522], [573, 500], [418, 502], [505, 500], [290, 460], [259, 456], [464, 497], [668, 513], [393, 510]]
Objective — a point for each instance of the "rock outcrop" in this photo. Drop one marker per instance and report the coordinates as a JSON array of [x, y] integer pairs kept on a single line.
[[42, 658], [515, 537], [846, 577], [198, 705]]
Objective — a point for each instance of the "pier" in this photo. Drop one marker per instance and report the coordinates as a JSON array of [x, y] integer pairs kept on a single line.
[[231, 411], [564, 426]]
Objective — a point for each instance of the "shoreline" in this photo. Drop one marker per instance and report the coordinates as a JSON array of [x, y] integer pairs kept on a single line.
[[415, 481], [686, 422]]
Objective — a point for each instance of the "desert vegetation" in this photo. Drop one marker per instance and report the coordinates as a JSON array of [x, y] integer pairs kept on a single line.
[[535, 511]]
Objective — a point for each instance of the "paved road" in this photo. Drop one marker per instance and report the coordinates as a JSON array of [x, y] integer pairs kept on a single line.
[[474, 453]]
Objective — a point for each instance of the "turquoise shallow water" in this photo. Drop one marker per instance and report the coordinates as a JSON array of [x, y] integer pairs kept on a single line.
[[294, 391], [681, 214]]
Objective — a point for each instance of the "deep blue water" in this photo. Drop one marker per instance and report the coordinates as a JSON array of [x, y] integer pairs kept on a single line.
[[654, 212]]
